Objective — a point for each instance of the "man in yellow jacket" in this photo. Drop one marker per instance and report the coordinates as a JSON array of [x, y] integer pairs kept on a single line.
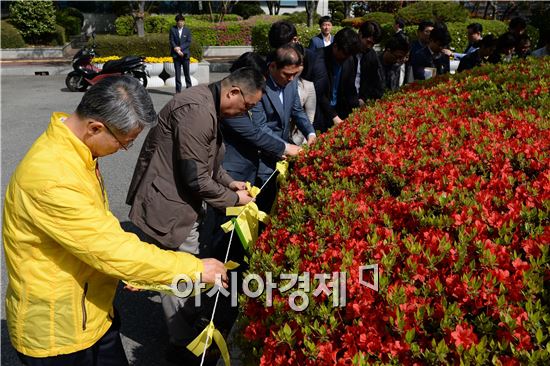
[[65, 251]]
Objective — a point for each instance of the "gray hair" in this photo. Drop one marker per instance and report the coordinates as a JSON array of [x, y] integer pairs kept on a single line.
[[120, 102], [247, 78]]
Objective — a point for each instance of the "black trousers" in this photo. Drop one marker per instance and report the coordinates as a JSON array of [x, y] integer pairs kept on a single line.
[[107, 351], [178, 64]]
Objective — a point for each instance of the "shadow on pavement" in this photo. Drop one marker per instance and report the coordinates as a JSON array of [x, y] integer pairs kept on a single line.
[[156, 91]]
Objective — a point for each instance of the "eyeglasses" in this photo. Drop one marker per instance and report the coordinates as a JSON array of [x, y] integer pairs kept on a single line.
[[246, 104], [124, 147]]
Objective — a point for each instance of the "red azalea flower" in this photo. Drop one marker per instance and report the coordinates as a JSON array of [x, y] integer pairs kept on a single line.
[[464, 335]]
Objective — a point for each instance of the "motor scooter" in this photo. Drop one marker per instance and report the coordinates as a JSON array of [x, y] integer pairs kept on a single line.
[[86, 74]]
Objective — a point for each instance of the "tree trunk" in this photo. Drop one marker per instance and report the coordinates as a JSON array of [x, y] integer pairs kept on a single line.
[[138, 12], [347, 8], [273, 7], [311, 8]]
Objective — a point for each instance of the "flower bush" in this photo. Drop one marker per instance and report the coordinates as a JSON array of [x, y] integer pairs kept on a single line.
[[446, 186]]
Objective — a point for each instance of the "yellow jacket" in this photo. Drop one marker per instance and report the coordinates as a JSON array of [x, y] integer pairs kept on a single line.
[[66, 252]]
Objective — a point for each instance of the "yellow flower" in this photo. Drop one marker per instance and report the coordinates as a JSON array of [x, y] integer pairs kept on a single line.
[[157, 60], [102, 60], [149, 60]]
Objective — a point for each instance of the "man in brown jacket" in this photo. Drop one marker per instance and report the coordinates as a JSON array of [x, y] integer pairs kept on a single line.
[[179, 171]]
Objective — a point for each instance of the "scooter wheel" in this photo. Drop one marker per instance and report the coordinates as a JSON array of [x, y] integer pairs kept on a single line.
[[75, 83]]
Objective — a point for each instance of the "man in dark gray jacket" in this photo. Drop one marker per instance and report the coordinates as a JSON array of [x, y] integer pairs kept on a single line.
[[179, 171]]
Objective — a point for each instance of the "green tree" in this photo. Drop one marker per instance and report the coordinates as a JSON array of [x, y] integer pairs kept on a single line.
[[34, 19]]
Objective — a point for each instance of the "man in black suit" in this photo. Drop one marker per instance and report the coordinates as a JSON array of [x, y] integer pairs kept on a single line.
[[180, 41], [480, 56], [335, 82], [391, 59], [368, 82], [432, 56]]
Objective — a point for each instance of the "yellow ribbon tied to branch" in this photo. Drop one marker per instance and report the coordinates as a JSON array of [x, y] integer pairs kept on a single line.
[[204, 340], [282, 168], [246, 222]]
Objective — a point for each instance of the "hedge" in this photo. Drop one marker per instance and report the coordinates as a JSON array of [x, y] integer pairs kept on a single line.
[[203, 32], [151, 45], [69, 19], [11, 37], [433, 10], [458, 31], [445, 185], [261, 44], [380, 17]]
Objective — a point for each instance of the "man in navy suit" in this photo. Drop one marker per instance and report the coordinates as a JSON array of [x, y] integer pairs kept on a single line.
[[180, 41], [255, 142], [324, 38]]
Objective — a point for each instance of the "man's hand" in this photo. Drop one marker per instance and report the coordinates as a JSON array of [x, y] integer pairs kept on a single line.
[[237, 185], [311, 139], [214, 268], [447, 52], [361, 102], [292, 150], [244, 197], [337, 120], [131, 289]]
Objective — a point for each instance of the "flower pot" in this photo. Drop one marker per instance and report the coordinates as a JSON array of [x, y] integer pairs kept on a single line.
[[154, 70], [193, 67], [171, 81]]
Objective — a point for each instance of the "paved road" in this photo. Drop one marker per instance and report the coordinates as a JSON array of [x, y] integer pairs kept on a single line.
[[27, 103]]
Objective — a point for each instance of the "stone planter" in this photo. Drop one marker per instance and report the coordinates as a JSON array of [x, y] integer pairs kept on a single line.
[[154, 70], [171, 81]]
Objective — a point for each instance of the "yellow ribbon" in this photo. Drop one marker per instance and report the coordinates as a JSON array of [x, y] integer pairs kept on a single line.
[[282, 168], [199, 344], [246, 222], [229, 265]]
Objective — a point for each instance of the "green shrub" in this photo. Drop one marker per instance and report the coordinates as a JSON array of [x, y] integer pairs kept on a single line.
[[73, 12], [72, 24], [300, 17], [125, 25], [34, 19], [534, 35], [353, 22], [433, 10], [11, 37], [158, 24], [458, 32], [151, 45], [261, 44], [246, 9], [259, 38], [380, 17], [206, 18], [57, 38]]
